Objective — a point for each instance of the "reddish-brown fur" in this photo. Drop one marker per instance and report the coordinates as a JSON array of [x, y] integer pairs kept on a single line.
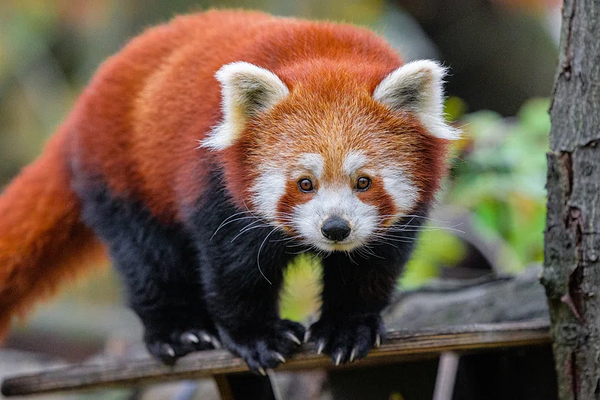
[[304, 123], [42, 241], [138, 124]]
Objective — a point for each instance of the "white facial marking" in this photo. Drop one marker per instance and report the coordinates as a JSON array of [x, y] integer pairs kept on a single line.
[[418, 87], [313, 162], [340, 201], [268, 189], [246, 90], [354, 160], [400, 187]]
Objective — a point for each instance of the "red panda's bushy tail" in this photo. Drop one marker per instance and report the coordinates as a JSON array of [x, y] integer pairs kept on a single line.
[[42, 240]]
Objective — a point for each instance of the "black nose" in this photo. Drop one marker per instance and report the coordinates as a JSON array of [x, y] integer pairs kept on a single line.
[[335, 228]]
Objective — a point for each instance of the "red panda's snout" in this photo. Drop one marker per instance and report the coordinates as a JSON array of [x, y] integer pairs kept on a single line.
[[336, 228], [335, 218]]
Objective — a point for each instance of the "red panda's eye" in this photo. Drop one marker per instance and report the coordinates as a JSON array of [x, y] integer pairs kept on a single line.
[[305, 185], [363, 183]]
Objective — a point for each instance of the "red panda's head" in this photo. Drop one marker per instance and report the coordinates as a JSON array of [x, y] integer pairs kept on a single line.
[[332, 157]]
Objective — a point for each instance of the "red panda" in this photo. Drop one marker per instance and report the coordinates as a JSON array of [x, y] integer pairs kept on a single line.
[[210, 150]]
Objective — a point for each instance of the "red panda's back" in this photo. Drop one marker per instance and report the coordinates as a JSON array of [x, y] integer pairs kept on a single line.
[[131, 124], [138, 124]]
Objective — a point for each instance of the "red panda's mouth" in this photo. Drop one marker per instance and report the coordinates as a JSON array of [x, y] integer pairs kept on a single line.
[[345, 246]]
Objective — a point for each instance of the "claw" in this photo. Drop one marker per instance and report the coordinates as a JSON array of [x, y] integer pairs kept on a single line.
[[353, 354], [377, 341], [293, 338], [216, 344], [338, 359], [189, 338], [262, 372], [307, 336], [169, 350], [279, 356], [206, 337], [321, 347]]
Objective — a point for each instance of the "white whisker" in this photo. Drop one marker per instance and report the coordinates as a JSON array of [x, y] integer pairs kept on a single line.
[[249, 228], [258, 255], [227, 221]]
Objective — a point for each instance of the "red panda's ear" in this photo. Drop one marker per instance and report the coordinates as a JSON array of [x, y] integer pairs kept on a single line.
[[246, 91], [418, 87]]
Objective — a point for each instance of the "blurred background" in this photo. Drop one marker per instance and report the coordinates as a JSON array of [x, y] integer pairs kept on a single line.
[[490, 220]]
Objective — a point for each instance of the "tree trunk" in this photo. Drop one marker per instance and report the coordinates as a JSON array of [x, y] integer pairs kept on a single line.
[[571, 268]]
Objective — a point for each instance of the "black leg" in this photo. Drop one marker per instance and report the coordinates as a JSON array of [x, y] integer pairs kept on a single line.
[[356, 288], [158, 264], [242, 292], [242, 260]]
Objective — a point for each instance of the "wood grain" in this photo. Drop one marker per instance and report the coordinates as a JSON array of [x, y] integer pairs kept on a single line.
[[399, 345]]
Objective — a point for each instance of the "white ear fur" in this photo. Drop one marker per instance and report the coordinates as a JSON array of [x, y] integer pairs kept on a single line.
[[418, 87], [246, 90]]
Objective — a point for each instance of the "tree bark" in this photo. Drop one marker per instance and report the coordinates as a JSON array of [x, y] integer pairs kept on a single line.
[[571, 274]]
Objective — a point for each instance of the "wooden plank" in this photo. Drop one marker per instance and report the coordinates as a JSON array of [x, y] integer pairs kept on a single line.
[[398, 346]]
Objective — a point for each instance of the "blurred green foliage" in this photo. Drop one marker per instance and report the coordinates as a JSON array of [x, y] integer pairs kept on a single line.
[[499, 177], [301, 288], [435, 250], [502, 178]]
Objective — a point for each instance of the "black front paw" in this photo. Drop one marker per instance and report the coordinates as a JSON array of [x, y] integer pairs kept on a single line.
[[349, 339], [168, 347], [266, 346]]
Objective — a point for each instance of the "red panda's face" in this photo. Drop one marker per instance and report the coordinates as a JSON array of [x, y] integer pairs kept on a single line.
[[331, 162], [334, 203], [337, 171]]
